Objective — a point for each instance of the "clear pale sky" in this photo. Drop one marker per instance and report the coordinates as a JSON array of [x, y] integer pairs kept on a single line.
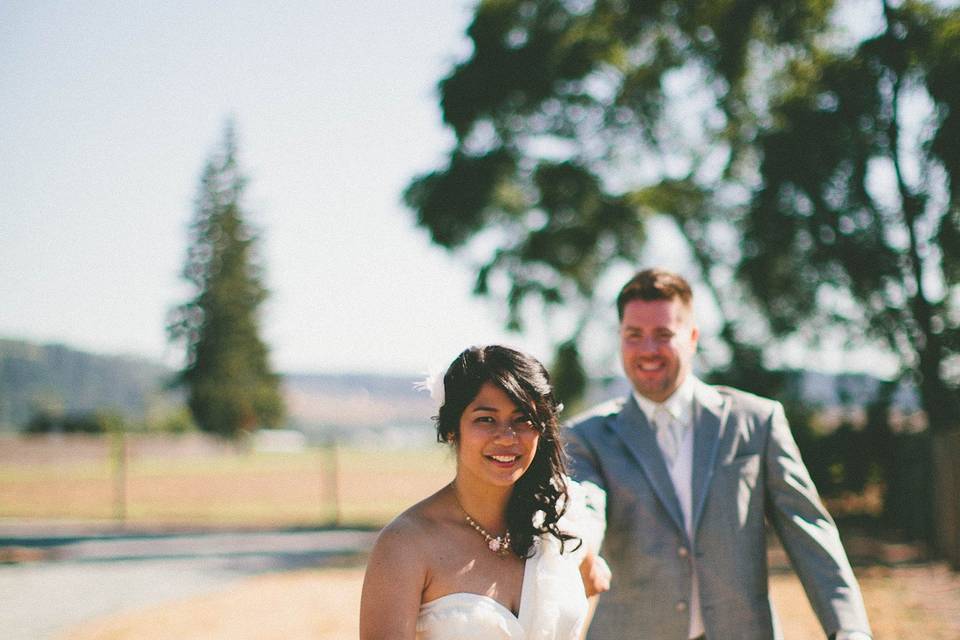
[[108, 111]]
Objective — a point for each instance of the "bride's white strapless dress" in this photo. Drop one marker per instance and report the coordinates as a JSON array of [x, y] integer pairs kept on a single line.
[[553, 605]]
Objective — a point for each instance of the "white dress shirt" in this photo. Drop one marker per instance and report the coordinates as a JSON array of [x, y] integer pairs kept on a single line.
[[672, 421]]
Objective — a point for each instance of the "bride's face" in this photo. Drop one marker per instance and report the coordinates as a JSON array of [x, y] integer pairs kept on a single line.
[[497, 440]]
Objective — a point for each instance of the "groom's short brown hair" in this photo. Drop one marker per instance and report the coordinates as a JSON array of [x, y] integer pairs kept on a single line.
[[654, 284]]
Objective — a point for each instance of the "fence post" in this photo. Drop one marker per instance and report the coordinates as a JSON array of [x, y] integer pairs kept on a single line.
[[946, 460], [119, 450], [331, 482], [953, 492]]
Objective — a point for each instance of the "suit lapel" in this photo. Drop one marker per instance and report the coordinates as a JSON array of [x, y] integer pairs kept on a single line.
[[632, 428], [709, 417]]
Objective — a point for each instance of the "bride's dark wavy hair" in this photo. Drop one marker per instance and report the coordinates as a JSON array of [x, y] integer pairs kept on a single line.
[[543, 487]]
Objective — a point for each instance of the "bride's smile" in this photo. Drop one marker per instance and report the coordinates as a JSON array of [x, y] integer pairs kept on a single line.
[[497, 439]]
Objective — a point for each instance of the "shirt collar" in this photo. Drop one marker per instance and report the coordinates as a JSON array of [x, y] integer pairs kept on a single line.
[[679, 405]]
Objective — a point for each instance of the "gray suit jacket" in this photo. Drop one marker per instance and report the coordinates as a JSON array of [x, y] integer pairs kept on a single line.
[[747, 473]]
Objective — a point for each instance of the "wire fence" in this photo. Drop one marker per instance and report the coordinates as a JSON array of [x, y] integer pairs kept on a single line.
[[195, 480]]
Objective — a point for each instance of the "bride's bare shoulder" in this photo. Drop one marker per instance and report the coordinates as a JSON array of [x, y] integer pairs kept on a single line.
[[398, 570], [418, 525]]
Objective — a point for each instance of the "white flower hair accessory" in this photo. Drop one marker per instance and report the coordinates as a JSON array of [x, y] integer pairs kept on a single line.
[[432, 383]]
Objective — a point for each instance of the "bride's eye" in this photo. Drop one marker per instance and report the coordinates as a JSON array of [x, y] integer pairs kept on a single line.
[[523, 423]]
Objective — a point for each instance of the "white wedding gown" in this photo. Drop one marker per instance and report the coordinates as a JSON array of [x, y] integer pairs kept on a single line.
[[553, 605]]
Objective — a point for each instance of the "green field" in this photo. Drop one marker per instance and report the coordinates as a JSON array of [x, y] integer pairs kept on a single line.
[[220, 485]]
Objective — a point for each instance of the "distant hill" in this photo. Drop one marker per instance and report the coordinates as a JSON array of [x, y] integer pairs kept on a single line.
[[55, 377], [351, 400], [858, 389], [65, 380]]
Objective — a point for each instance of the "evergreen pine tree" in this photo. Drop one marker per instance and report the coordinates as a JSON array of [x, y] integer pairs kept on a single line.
[[231, 389]]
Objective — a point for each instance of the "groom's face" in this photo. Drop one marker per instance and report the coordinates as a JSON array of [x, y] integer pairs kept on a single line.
[[658, 340]]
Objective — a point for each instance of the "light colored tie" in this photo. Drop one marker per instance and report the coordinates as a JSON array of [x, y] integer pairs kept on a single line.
[[668, 434]]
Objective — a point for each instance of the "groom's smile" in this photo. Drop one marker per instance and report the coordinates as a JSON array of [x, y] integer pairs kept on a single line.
[[657, 344]]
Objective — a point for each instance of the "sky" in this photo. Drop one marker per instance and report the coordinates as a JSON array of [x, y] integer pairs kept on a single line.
[[108, 111]]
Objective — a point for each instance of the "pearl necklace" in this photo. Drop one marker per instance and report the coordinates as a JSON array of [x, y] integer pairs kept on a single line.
[[500, 545]]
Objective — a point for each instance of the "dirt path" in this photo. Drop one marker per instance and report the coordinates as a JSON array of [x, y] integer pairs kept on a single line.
[[920, 601], [904, 602], [50, 582], [321, 605]]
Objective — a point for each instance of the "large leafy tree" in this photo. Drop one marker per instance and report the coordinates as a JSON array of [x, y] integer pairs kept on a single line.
[[856, 219], [576, 121], [231, 387], [759, 127]]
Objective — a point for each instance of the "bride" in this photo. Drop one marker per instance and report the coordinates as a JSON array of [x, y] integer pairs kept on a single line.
[[488, 556]]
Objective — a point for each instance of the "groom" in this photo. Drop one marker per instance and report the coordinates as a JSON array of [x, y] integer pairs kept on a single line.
[[692, 474]]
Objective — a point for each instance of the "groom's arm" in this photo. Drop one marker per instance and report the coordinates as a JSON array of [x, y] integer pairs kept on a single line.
[[590, 506], [591, 495], [810, 536]]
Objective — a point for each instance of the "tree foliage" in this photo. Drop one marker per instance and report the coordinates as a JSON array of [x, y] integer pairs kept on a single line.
[[569, 136], [95, 422], [231, 388], [755, 125], [856, 219]]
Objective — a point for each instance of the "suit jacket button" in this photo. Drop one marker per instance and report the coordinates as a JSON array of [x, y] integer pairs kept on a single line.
[[683, 552], [681, 606]]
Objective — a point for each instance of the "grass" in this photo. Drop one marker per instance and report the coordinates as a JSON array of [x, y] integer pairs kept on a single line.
[[225, 486]]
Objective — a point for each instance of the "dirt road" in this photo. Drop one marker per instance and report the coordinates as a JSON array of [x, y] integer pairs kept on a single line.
[[73, 579]]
